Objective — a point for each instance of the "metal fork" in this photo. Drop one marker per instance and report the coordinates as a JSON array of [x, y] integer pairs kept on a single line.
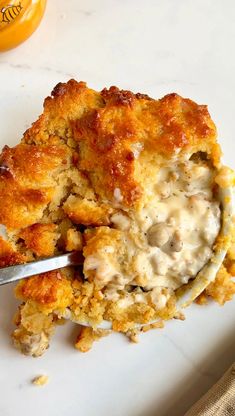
[[21, 271]]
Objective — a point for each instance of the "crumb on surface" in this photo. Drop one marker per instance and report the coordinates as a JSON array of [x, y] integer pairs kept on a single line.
[[40, 380], [155, 325], [179, 315], [133, 335]]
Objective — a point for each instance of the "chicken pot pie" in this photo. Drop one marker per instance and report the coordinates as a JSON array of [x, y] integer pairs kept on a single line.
[[131, 182]]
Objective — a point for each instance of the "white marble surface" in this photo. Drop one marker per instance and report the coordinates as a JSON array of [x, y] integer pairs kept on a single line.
[[154, 47]]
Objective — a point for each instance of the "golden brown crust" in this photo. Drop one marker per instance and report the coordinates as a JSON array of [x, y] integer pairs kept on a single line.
[[96, 132], [73, 240], [50, 290], [88, 154], [86, 212], [31, 164], [26, 182], [9, 256], [162, 127], [104, 126], [40, 239], [87, 336], [221, 290]]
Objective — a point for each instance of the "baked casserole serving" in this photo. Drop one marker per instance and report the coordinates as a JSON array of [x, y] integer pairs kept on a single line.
[[131, 182]]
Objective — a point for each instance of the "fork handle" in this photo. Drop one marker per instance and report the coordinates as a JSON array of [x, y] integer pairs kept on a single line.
[[13, 273]]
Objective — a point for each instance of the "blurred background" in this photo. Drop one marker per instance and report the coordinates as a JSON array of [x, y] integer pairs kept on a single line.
[[152, 46]]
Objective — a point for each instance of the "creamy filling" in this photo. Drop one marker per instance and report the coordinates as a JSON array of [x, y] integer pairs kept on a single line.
[[168, 240]]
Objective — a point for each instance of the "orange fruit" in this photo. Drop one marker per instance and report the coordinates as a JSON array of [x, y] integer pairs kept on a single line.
[[18, 20]]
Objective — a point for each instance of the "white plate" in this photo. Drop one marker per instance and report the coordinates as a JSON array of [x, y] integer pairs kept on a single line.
[[155, 47]]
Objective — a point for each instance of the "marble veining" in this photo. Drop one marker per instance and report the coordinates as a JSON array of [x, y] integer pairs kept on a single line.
[[190, 359], [32, 68]]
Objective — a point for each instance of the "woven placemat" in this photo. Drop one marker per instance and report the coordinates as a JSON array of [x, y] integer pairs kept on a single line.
[[219, 400]]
